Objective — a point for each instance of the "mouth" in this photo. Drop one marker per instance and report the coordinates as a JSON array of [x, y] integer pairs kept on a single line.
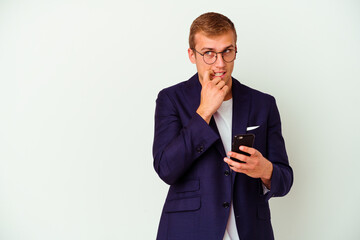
[[219, 74]]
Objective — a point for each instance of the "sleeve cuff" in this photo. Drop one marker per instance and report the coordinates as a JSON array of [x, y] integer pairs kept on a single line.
[[265, 189]]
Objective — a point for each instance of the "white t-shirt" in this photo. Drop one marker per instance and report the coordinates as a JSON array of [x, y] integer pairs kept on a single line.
[[223, 119]]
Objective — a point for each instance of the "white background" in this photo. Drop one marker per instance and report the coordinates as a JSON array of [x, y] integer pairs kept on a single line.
[[78, 83]]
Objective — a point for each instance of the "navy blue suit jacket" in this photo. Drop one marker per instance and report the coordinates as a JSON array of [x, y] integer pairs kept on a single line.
[[188, 155]]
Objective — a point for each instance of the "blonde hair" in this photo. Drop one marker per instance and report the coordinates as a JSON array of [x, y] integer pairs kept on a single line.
[[211, 24]]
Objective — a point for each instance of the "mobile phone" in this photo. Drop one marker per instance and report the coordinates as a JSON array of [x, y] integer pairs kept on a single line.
[[242, 140]]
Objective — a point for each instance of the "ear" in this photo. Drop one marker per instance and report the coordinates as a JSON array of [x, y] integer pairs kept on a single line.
[[192, 56]]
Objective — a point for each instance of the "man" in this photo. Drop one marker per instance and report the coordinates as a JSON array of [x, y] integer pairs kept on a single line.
[[210, 195]]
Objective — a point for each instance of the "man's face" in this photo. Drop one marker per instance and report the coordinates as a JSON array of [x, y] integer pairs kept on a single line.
[[219, 43]]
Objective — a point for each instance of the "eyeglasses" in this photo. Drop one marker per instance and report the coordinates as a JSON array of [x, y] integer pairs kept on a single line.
[[210, 57]]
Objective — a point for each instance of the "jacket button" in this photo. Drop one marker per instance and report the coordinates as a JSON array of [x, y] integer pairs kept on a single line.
[[226, 204], [200, 149], [227, 173]]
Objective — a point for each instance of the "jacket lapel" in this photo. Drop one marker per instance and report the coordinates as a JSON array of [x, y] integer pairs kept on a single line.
[[241, 108], [192, 93]]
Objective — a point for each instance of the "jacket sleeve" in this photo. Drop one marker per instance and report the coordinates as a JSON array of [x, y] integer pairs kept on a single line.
[[282, 176], [176, 146]]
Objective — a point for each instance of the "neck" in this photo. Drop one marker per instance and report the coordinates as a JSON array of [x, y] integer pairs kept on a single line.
[[228, 96]]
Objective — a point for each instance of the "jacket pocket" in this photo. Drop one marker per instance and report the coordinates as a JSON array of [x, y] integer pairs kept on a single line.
[[259, 129], [182, 205]]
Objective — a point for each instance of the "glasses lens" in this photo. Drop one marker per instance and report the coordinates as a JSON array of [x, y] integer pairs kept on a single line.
[[209, 57], [229, 55]]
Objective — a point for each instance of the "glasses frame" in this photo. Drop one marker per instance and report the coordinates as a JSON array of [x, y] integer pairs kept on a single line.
[[216, 55]]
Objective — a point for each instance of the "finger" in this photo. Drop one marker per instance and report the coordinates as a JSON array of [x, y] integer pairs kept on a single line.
[[239, 167], [225, 89], [239, 170], [235, 166], [207, 76], [248, 150], [232, 163], [238, 156], [216, 80], [220, 84]]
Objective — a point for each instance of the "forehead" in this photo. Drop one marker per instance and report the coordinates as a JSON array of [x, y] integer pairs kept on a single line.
[[217, 42]]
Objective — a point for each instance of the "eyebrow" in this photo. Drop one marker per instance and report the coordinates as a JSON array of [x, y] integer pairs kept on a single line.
[[212, 49]]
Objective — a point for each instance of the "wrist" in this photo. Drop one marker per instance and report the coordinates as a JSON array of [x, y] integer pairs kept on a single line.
[[266, 178], [204, 115]]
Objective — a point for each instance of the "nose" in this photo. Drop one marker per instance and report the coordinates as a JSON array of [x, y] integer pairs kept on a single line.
[[219, 61]]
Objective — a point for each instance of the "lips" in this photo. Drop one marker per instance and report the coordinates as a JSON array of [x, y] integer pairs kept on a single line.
[[219, 74]]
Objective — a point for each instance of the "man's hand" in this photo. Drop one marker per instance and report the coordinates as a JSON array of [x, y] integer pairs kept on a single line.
[[255, 165], [213, 93]]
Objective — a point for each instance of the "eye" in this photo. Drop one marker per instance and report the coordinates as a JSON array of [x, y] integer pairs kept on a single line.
[[209, 53], [228, 52]]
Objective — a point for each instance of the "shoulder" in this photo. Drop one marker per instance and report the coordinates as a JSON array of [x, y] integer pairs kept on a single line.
[[183, 88], [173, 89], [254, 94]]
